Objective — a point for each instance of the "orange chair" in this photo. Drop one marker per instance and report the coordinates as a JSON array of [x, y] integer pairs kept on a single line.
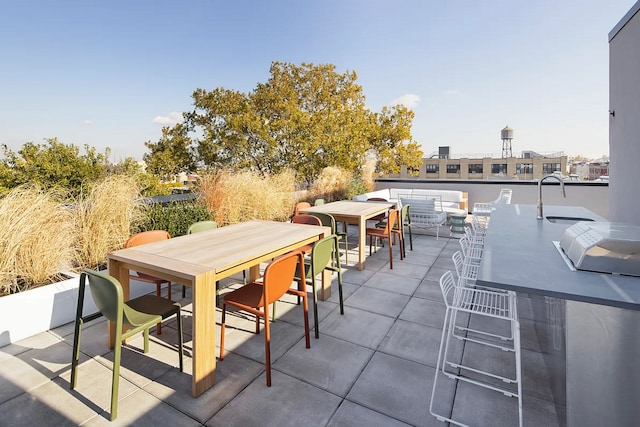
[[306, 219], [300, 205], [392, 227], [142, 239], [253, 297], [381, 217]]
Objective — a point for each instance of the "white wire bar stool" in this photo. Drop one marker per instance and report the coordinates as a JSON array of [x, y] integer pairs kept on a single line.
[[478, 302]]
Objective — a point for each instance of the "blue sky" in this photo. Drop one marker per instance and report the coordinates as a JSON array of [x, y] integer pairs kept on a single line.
[[112, 73]]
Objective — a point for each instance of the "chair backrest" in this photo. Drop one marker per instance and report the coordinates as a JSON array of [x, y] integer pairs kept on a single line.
[[321, 253], [199, 226], [106, 292], [464, 245], [279, 275], [404, 214], [377, 199], [306, 219], [391, 221], [327, 220], [300, 205], [146, 237], [458, 261], [447, 283], [505, 196]]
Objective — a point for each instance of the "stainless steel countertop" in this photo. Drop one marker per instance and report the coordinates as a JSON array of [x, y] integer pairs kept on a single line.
[[519, 255]]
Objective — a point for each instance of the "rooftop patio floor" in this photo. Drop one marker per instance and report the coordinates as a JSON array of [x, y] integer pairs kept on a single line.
[[372, 366]]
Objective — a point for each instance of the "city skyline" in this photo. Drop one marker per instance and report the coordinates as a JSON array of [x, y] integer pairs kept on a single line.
[[112, 74]]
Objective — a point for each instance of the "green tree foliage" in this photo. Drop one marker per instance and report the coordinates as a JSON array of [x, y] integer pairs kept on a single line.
[[304, 118], [149, 183], [171, 154], [52, 164]]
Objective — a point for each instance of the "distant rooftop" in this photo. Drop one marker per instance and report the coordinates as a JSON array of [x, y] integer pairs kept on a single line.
[[526, 154]]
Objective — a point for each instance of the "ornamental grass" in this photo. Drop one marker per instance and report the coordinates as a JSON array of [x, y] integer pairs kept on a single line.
[[104, 219], [36, 238], [237, 197]]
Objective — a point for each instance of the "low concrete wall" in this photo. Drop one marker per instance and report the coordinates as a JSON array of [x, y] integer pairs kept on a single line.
[[591, 195]]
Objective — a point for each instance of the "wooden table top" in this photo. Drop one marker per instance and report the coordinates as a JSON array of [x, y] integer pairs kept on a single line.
[[350, 208], [218, 249]]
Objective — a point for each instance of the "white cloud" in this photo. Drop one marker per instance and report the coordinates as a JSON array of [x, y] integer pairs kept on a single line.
[[409, 100], [170, 119], [87, 122]]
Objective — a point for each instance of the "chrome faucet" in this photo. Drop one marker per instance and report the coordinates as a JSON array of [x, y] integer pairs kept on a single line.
[[564, 194]]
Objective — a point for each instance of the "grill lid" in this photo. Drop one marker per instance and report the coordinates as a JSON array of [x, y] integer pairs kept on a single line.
[[602, 246]]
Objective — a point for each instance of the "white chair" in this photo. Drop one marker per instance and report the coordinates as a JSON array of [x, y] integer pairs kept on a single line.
[[426, 212], [472, 252], [485, 209], [477, 302], [466, 272]]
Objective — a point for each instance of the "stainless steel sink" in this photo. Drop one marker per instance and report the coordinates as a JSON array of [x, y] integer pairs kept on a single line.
[[566, 219]]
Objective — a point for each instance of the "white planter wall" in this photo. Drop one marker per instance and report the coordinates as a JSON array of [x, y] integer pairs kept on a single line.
[[37, 310]]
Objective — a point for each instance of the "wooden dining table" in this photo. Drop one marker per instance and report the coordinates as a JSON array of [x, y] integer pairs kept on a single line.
[[353, 212], [199, 260]]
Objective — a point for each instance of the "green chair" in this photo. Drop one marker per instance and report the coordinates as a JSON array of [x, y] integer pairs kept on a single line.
[[138, 314], [329, 221], [405, 217], [321, 259], [319, 202], [197, 227]]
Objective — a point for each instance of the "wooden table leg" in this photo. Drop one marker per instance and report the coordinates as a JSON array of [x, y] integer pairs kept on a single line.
[[204, 333], [362, 241]]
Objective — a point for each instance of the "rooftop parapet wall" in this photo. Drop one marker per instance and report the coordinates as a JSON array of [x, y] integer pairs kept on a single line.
[[591, 195]]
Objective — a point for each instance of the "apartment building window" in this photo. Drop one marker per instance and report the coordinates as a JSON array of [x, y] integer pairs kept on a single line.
[[522, 168], [548, 168], [475, 168], [433, 168], [499, 168], [453, 168]]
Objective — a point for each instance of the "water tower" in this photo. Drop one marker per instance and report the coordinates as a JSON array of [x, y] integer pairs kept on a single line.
[[506, 135]]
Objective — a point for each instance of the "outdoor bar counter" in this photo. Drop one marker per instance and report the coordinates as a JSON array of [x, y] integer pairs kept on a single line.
[[588, 324]]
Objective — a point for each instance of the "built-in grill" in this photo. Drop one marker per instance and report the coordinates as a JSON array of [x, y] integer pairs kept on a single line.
[[606, 247]]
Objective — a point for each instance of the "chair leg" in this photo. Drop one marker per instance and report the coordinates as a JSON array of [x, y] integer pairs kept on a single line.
[[222, 328], [180, 338], [76, 353], [315, 302], [390, 254], [267, 346], [305, 311], [184, 291], [346, 243], [159, 293], [115, 382]]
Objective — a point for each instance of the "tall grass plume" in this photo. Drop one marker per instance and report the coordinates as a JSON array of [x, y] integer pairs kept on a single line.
[[332, 184], [105, 217], [36, 237], [237, 197]]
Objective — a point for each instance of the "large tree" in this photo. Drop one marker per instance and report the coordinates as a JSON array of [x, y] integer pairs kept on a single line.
[[304, 117], [171, 154]]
